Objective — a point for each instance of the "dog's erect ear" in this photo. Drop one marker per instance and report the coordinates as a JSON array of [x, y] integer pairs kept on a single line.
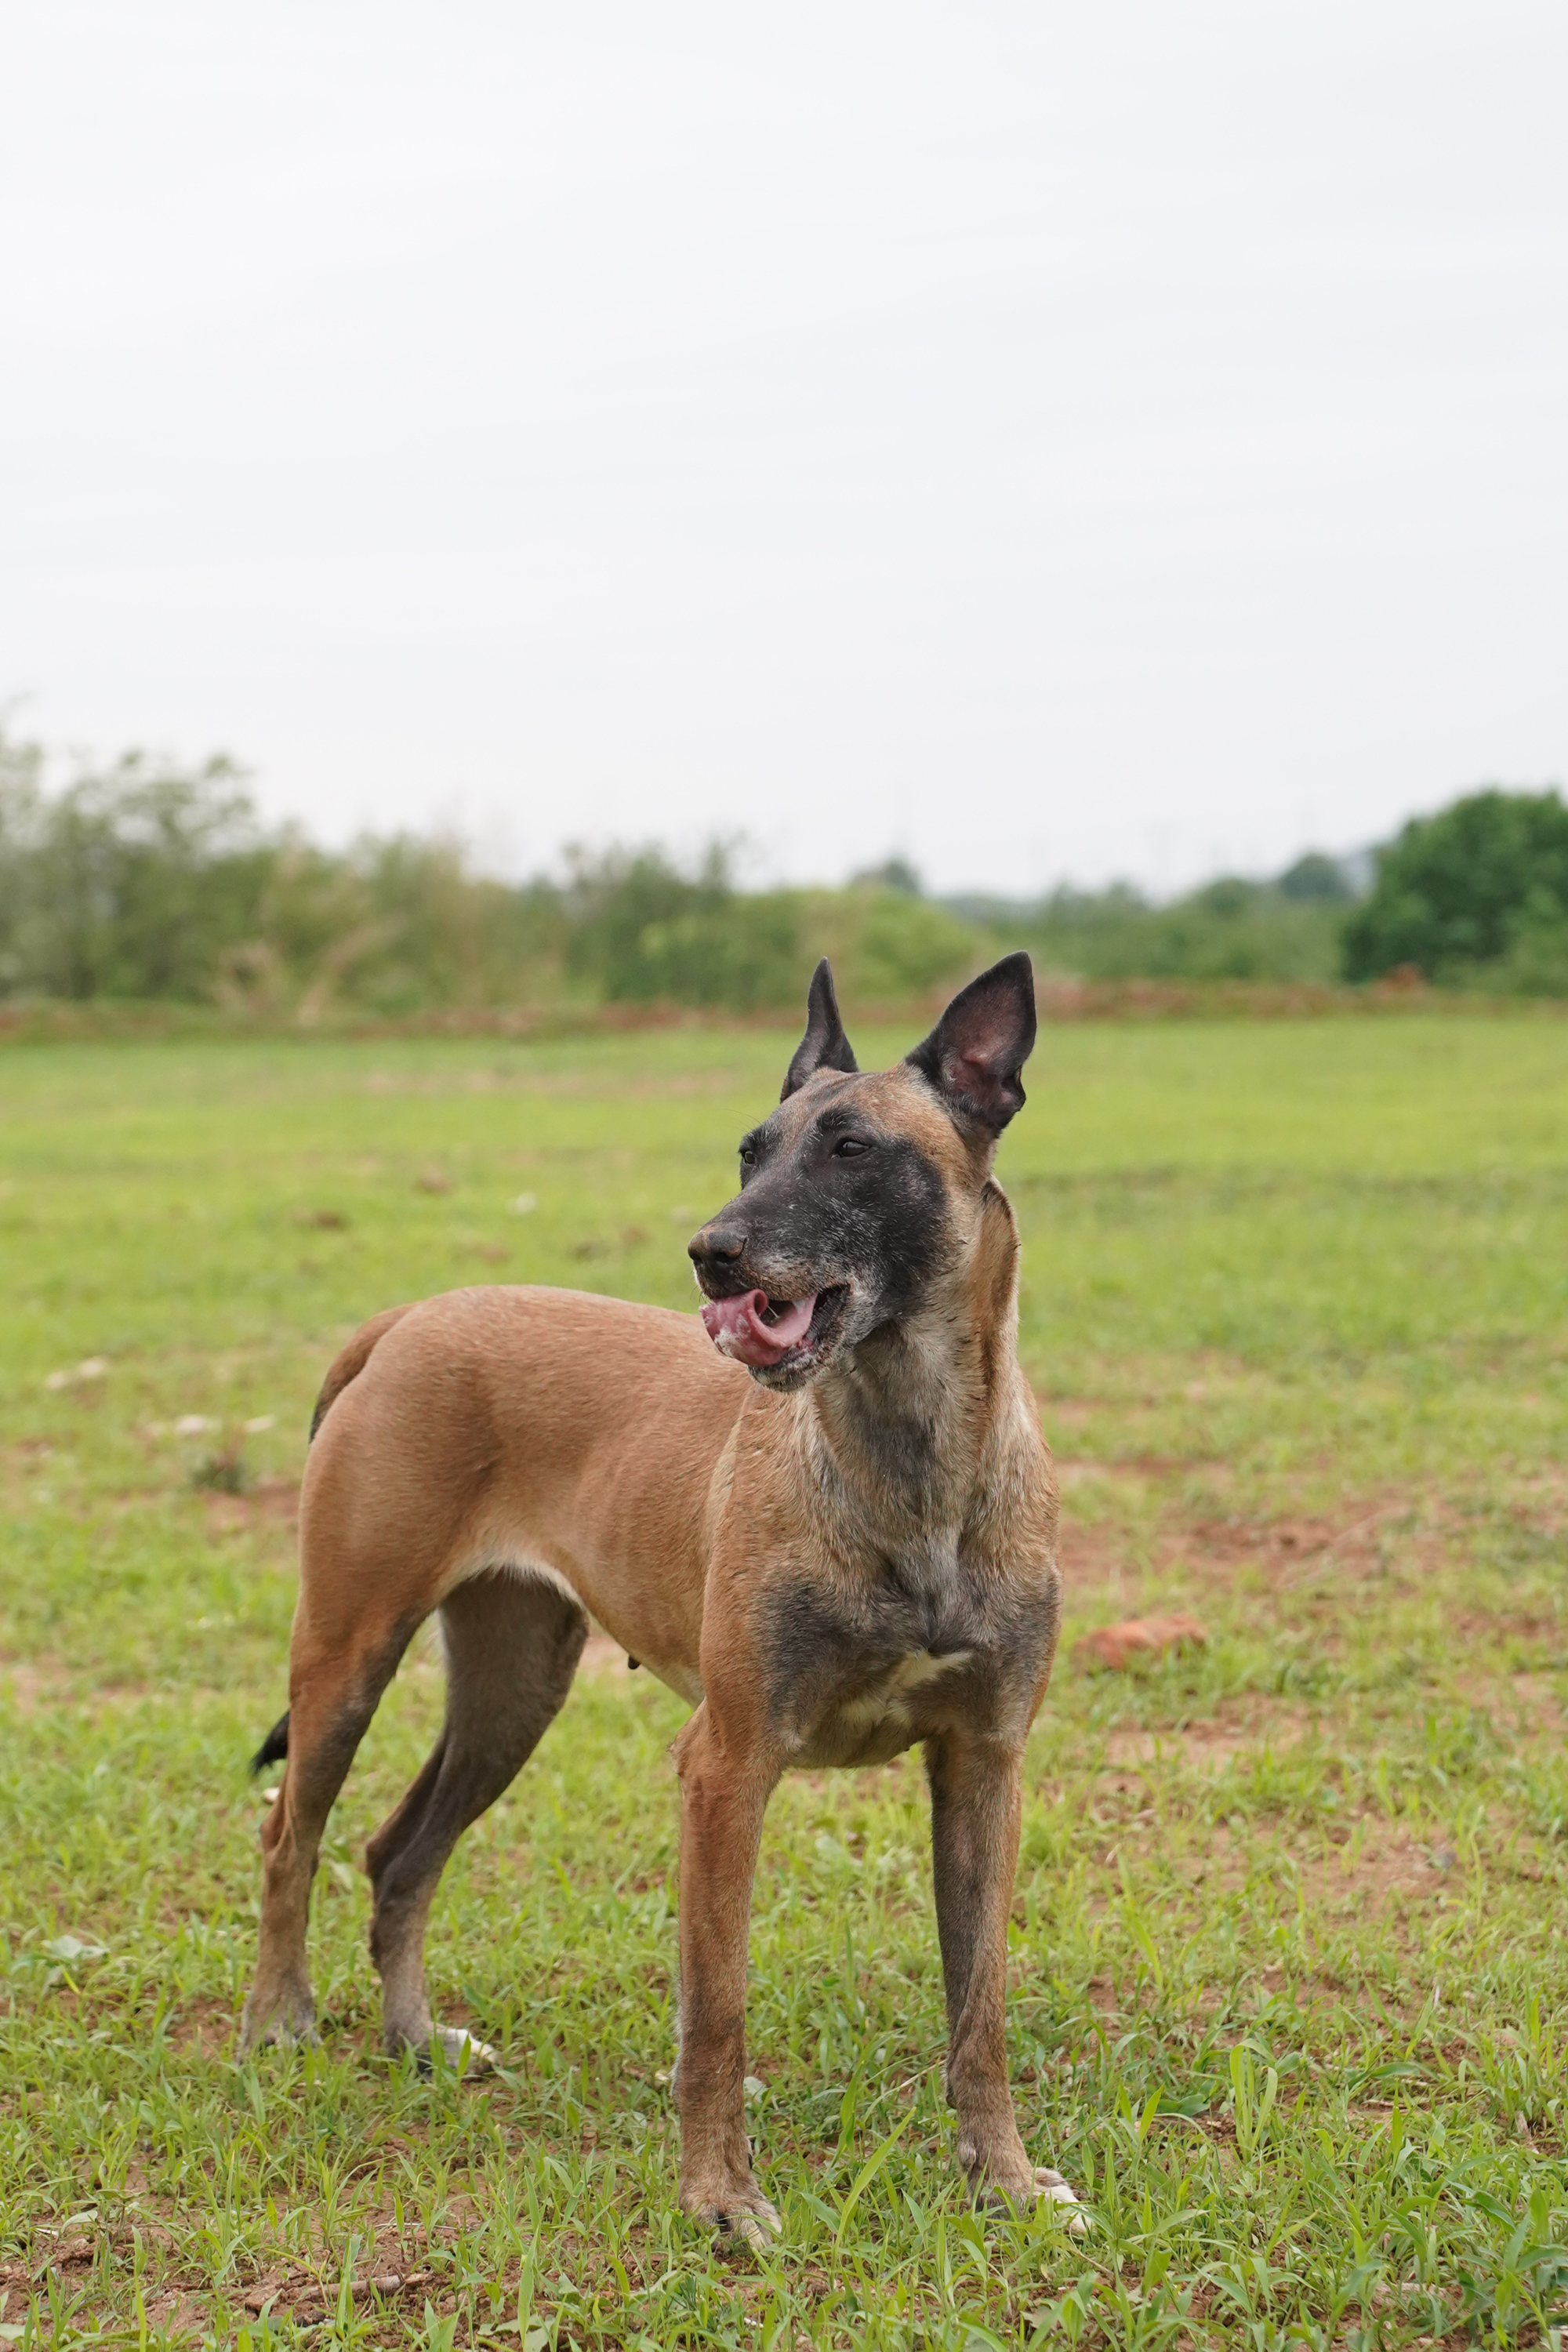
[[978, 1049], [824, 1046]]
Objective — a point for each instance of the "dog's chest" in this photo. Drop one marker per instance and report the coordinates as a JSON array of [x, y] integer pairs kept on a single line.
[[923, 1638], [887, 1711], [895, 1698], [858, 1679]]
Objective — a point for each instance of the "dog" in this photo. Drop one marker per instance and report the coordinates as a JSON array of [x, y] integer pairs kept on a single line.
[[824, 1514]]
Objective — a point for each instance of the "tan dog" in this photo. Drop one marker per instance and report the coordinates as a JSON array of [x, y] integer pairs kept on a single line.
[[828, 1521]]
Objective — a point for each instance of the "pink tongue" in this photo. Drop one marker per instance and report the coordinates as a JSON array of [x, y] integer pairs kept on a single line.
[[736, 1328]]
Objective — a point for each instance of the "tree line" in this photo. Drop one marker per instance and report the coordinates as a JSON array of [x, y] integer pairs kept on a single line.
[[150, 880]]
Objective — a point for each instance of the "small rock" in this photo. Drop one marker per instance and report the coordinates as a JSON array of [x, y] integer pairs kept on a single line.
[[524, 1204], [194, 1425], [432, 1180], [91, 1368], [1114, 1647], [260, 1423]]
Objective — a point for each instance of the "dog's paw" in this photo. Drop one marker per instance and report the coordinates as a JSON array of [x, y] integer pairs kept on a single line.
[[1052, 2189], [755, 2226], [742, 2217], [462, 2052], [288, 2024], [1037, 2185]]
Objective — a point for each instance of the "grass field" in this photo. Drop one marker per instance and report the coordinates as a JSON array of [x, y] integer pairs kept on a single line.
[[1290, 1997]]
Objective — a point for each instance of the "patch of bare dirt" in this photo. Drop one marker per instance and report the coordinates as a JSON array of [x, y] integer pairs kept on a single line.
[[1210, 1745], [34, 1683], [1380, 1863], [1097, 1558], [204, 2026], [1532, 1629], [1292, 1550], [270, 1502], [1538, 1700], [1529, 1705], [26, 1682]]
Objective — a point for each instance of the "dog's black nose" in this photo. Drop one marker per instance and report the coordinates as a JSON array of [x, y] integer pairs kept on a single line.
[[716, 1246]]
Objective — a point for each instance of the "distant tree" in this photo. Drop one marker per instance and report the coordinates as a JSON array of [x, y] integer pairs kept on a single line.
[[147, 879], [1482, 885], [130, 882], [893, 874], [1315, 878], [647, 934], [1227, 897], [21, 806], [903, 946], [1228, 929]]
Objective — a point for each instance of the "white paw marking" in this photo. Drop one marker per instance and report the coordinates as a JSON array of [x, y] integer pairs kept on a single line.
[[758, 2230], [1054, 2190], [462, 2049]]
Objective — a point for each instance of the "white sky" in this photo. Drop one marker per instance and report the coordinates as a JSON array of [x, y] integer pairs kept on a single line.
[[1047, 441]]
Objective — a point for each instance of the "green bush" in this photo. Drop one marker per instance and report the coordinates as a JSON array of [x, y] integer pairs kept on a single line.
[[647, 934], [1474, 894], [1536, 963], [150, 881], [128, 884], [1229, 930], [908, 946]]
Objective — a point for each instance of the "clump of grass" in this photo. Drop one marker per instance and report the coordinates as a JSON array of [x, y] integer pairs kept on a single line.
[[223, 1472]]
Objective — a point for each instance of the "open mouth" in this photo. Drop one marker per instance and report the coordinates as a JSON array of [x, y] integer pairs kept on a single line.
[[765, 1332]]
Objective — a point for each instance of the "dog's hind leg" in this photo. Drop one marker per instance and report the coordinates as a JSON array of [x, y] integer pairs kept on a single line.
[[333, 1693], [512, 1645]]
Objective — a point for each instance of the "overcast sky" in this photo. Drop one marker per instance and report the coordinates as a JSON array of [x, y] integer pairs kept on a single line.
[[1046, 441]]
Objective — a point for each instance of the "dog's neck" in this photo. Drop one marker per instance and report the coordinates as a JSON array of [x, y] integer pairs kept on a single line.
[[908, 1434]]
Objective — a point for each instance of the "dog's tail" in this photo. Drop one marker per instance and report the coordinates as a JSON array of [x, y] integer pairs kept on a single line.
[[351, 1362], [274, 1748], [346, 1366]]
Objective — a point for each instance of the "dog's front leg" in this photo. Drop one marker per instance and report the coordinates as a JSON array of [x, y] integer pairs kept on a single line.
[[725, 1792], [976, 1801]]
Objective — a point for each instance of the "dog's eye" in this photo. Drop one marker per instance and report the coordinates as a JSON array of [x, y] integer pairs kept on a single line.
[[850, 1147], [748, 1155]]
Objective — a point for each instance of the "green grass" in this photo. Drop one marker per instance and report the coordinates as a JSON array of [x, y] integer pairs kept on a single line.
[[1290, 1997]]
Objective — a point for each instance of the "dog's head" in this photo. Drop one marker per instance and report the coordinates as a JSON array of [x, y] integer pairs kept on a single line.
[[862, 1187]]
